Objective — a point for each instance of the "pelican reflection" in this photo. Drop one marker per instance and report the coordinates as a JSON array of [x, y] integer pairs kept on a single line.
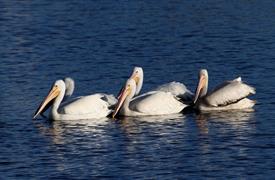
[[234, 119]]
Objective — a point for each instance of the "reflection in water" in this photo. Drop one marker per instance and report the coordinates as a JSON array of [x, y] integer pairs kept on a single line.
[[157, 124], [69, 139], [93, 40], [136, 140], [59, 130], [147, 136], [224, 134], [156, 119], [236, 119]]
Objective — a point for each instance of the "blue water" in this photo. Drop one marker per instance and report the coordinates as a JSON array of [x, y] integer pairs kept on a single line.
[[98, 43]]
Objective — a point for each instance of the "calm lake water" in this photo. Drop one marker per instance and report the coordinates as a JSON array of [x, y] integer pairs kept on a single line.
[[98, 43]]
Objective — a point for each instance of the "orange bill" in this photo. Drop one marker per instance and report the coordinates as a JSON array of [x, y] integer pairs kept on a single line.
[[54, 92], [201, 84], [125, 92]]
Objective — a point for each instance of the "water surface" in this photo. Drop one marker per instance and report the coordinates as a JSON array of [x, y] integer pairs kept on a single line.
[[98, 43]]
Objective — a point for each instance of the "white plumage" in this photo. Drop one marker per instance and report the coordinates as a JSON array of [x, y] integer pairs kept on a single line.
[[227, 96], [229, 92], [69, 83], [84, 107], [151, 103], [157, 103], [177, 89], [92, 104]]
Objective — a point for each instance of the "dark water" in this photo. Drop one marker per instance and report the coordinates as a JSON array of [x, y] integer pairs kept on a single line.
[[98, 43]]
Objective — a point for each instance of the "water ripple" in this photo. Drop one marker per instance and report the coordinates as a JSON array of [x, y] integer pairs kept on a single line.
[[98, 43]]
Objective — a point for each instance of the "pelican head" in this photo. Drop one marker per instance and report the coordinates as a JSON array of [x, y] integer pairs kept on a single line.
[[126, 94], [137, 76], [69, 82], [57, 88], [202, 85]]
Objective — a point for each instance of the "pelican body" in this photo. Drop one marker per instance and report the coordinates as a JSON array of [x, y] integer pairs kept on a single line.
[[165, 99], [151, 103], [230, 95], [84, 107], [176, 88]]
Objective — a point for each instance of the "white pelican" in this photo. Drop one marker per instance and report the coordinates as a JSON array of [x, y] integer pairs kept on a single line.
[[85, 107], [69, 83], [227, 96], [176, 88], [151, 103], [70, 86], [137, 76]]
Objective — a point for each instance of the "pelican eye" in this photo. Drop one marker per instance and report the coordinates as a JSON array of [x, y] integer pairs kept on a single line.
[[128, 86]]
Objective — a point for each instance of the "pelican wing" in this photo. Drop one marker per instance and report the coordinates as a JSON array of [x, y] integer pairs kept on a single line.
[[229, 92], [157, 103], [177, 89], [109, 98], [92, 104]]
